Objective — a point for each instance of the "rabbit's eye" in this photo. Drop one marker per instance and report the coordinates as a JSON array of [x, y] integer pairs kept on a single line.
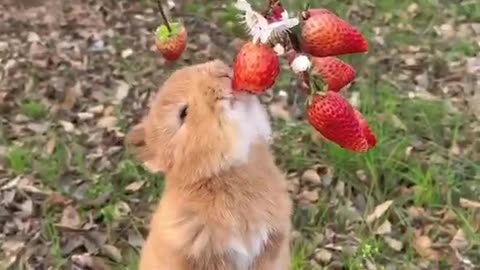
[[183, 113]]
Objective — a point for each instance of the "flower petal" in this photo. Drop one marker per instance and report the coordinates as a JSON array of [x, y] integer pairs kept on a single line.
[[243, 5]]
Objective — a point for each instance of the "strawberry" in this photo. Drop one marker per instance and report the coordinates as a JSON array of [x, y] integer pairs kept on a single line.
[[367, 132], [171, 44], [334, 72], [255, 68], [332, 116], [325, 34]]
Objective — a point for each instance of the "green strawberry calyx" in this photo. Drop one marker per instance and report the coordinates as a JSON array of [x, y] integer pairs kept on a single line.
[[317, 88], [163, 34]]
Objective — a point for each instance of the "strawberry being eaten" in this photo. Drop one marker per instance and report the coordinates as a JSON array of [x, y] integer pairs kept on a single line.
[[255, 68]]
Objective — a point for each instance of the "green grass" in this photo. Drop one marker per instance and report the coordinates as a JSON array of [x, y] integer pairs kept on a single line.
[[19, 159], [34, 109], [299, 258], [51, 234]]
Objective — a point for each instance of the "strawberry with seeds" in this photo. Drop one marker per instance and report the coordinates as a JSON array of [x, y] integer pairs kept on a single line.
[[334, 72], [170, 38], [255, 68], [332, 116], [325, 34]]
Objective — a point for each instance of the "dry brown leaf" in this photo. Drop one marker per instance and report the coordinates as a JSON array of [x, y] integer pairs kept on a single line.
[[11, 250], [385, 228], [466, 203], [135, 186], [311, 176], [309, 196], [135, 239], [52, 142], [68, 126], [122, 90], [57, 199], [87, 261], [113, 252], [71, 96], [70, 218], [393, 243], [416, 212], [449, 216], [379, 211], [423, 246], [323, 256], [107, 122], [458, 241]]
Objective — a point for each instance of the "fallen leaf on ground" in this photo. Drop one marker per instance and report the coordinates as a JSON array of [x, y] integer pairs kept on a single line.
[[86, 261], [323, 256], [311, 176], [135, 186], [122, 90], [423, 245], [70, 218], [71, 96], [379, 211], [113, 252], [385, 228], [107, 122], [393, 243], [466, 203], [458, 241]]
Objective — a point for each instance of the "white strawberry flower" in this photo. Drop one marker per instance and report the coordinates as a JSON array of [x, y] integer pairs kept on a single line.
[[258, 26], [301, 63]]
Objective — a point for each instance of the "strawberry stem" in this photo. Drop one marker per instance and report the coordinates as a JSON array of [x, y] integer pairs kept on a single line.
[[295, 43], [160, 7]]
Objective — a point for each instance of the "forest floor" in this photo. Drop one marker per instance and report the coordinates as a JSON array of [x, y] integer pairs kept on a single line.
[[75, 75]]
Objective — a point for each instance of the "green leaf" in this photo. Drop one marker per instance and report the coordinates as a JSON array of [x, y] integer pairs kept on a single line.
[[162, 33]]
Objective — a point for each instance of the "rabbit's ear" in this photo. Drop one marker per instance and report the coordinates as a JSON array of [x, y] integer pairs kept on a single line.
[[135, 140]]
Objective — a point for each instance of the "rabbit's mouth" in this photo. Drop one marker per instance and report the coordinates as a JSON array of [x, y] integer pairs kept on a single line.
[[230, 99]]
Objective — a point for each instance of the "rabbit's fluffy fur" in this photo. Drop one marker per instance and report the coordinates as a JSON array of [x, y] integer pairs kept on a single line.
[[225, 203]]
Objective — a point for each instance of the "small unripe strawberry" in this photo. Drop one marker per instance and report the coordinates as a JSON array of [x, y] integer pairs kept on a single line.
[[171, 44], [255, 68]]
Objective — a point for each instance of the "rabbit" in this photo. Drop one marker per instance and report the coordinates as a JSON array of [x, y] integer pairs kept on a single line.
[[225, 205]]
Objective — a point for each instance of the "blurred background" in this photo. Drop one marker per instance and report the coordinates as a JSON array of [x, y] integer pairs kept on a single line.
[[75, 75]]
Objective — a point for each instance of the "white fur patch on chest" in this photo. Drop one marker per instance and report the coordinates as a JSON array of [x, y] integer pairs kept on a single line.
[[252, 122], [244, 250]]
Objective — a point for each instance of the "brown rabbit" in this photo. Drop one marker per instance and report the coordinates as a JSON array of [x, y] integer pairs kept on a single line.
[[225, 203]]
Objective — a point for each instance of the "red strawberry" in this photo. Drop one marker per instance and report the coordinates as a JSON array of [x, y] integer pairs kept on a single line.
[[333, 71], [255, 68], [367, 132], [171, 44], [332, 116], [325, 34]]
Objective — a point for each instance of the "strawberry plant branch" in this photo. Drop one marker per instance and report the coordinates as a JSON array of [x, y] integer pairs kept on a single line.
[[303, 79], [160, 7]]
